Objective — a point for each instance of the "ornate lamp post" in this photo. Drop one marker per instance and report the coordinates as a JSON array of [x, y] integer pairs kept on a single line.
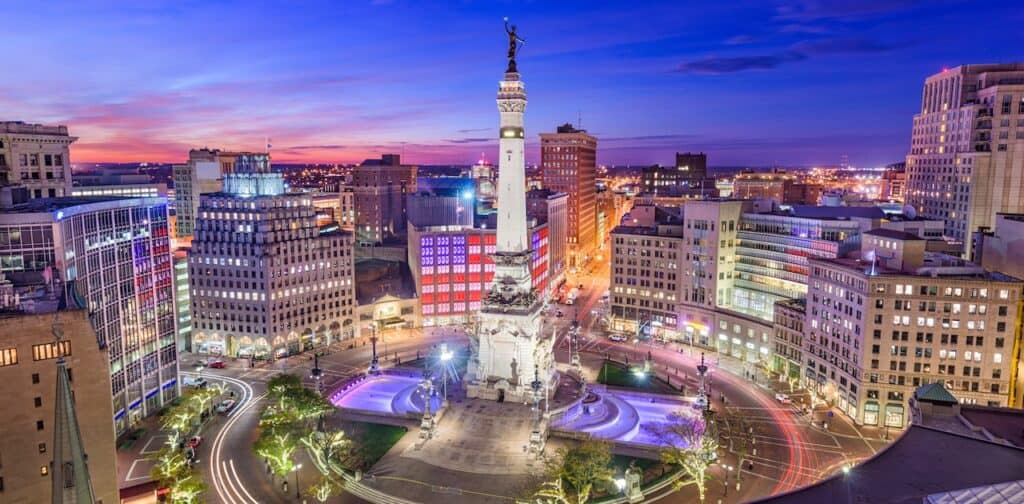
[[536, 438], [702, 404], [374, 363]]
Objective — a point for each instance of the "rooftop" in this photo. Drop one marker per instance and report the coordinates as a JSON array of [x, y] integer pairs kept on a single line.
[[21, 127], [936, 265], [894, 234], [941, 453], [50, 205], [837, 212]]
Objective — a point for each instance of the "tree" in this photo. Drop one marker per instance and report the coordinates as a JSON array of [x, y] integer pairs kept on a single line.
[[582, 467], [308, 405], [173, 471], [188, 489], [276, 444], [280, 386], [686, 442], [178, 419], [737, 431], [551, 492], [324, 489], [328, 450]]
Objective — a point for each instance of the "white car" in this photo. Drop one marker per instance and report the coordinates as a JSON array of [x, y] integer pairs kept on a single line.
[[617, 337], [225, 406], [783, 398]]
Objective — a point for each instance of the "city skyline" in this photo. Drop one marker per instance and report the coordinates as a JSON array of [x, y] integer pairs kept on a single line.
[[147, 84]]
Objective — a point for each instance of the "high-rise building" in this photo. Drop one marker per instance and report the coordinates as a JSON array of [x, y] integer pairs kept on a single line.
[[380, 187], [111, 256], [900, 317], [36, 156], [265, 280], [202, 174], [568, 161], [965, 162], [36, 408], [347, 217], [183, 299], [511, 350], [552, 208]]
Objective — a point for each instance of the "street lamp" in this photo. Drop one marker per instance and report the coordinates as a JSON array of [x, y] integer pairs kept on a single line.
[[725, 484], [446, 357], [298, 495]]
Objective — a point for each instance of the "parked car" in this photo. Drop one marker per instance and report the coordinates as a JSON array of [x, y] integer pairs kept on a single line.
[[617, 337], [216, 364], [783, 398], [194, 442], [195, 382], [225, 406]]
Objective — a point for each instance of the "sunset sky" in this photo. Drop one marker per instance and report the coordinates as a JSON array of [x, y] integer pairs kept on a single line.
[[752, 83]]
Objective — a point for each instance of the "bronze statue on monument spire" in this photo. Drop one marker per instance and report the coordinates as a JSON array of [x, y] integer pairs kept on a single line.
[[515, 42]]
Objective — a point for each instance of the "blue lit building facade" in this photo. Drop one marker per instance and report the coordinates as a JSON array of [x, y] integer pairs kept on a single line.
[[111, 256]]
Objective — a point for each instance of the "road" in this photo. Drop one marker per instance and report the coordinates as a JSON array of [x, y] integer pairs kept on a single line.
[[233, 472], [787, 451]]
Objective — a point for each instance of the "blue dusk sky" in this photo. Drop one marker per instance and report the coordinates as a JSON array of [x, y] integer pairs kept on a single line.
[[751, 83]]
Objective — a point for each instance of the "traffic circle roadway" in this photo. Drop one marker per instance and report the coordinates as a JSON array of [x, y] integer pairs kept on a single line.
[[787, 450]]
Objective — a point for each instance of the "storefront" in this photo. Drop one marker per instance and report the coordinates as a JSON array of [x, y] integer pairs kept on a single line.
[[894, 415], [210, 344], [871, 413]]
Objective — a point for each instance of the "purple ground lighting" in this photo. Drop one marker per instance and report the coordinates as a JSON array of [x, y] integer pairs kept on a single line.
[[385, 394], [621, 416]]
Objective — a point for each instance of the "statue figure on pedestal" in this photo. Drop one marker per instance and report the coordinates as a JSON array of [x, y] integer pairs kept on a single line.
[[514, 43]]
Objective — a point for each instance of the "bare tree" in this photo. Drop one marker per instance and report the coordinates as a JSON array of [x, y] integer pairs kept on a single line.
[[687, 442]]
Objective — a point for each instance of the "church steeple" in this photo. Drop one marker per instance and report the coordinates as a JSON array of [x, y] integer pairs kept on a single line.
[[69, 468]]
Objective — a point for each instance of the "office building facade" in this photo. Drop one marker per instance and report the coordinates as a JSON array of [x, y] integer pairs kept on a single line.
[[454, 269], [552, 208], [28, 368], [569, 165], [265, 280], [111, 256], [37, 157], [380, 187], [899, 317], [965, 163]]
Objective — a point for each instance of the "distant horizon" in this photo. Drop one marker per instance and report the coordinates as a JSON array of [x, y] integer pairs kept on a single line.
[[783, 82]]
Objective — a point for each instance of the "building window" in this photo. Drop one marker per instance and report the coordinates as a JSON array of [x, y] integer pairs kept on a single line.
[[39, 402], [42, 447], [39, 425], [48, 351], [35, 378], [8, 357]]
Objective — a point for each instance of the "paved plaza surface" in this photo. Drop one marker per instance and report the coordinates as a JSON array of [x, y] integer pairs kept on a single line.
[[478, 454]]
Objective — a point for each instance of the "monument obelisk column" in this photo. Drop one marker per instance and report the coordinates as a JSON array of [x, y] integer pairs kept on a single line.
[[510, 348]]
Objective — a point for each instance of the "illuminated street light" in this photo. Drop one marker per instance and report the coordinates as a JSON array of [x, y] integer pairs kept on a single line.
[[620, 483], [298, 495]]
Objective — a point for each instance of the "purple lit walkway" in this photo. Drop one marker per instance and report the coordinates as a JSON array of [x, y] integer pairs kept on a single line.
[[387, 394], [619, 415]]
